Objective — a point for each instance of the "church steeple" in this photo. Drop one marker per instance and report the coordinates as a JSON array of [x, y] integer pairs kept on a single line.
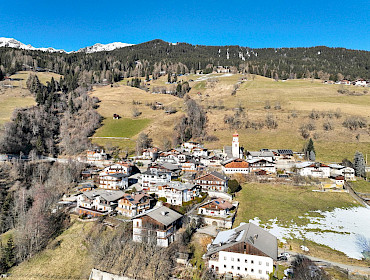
[[235, 145]]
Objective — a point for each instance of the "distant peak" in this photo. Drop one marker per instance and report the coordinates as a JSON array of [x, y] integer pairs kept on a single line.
[[13, 43], [104, 47]]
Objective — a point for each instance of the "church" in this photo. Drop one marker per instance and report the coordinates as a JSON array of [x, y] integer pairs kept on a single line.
[[234, 151]]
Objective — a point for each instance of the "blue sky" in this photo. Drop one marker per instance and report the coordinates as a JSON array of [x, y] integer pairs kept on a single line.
[[71, 25]]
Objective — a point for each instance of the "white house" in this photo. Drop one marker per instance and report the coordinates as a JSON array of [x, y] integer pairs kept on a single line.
[[150, 153], [261, 164], [246, 251], [216, 208], [176, 193], [313, 169], [340, 170], [235, 165], [98, 202], [213, 181], [96, 155], [218, 212], [114, 181], [189, 146], [262, 154], [120, 167], [349, 173], [158, 226], [360, 82], [154, 176], [200, 152], [211, 161]]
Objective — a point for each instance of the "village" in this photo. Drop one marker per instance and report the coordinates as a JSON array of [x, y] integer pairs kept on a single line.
[[158, 191]]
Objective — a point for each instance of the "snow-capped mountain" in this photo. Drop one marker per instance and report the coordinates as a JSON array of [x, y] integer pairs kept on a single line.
[[12, 43], [104, 47]]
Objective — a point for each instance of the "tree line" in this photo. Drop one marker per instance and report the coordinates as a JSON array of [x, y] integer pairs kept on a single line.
[[158, 58]]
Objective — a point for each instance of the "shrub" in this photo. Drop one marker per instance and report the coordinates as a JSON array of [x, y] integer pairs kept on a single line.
[[271, 122], [354, 122], [314, 115], [327, 126], [267, 105]]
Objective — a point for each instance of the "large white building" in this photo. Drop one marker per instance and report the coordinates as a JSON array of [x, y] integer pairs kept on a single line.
[[246, 251]]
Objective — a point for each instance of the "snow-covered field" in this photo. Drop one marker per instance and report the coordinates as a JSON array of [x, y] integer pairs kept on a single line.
[[341, 229], [211, 75]]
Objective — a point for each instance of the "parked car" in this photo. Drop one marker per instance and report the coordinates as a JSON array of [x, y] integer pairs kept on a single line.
[[285, 254], [282, 258]]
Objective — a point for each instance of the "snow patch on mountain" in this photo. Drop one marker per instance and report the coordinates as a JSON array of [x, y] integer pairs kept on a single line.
[[104, 47], [12, 43]]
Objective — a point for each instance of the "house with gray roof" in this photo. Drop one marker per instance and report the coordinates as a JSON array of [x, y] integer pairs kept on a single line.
[[247, 251], [157, 226], [98, 202]]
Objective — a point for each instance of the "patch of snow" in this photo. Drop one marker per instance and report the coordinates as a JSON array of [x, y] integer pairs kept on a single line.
[[227, 54], [12, 43], [241, 56], [205, 77], [104, 47], [339, 229]]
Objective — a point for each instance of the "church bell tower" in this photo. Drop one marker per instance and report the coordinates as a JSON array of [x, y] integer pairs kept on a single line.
[[235, 146]]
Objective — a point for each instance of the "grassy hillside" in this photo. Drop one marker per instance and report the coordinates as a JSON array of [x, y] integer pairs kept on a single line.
[[66, 257], [290, 205], [291, 201], [19, 96], [297, 99], [120, 100]]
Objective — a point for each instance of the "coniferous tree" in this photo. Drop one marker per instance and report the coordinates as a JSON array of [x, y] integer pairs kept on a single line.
[[310, 150], [359, 165], [9, 252]]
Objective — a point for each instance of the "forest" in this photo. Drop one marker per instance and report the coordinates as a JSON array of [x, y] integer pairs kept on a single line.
[[158, 58]]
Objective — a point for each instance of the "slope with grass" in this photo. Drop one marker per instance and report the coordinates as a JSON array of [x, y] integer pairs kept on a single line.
[[296, 214], [287, 203], [297, 99], [19, 96], [123, 100], [66, 257]]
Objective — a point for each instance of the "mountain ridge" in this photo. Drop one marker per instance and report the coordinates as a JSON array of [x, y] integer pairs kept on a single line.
[[98, 47]]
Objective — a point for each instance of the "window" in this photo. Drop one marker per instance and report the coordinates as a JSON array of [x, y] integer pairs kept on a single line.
[[246, 261], [232, 259], [252, 261], [267, 264], [232, 267], [252, 270], [260, 271], [224, 265], [260, 263], [225, 258], [238, 268], [267, 272], [245, 269], [238, 260]]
